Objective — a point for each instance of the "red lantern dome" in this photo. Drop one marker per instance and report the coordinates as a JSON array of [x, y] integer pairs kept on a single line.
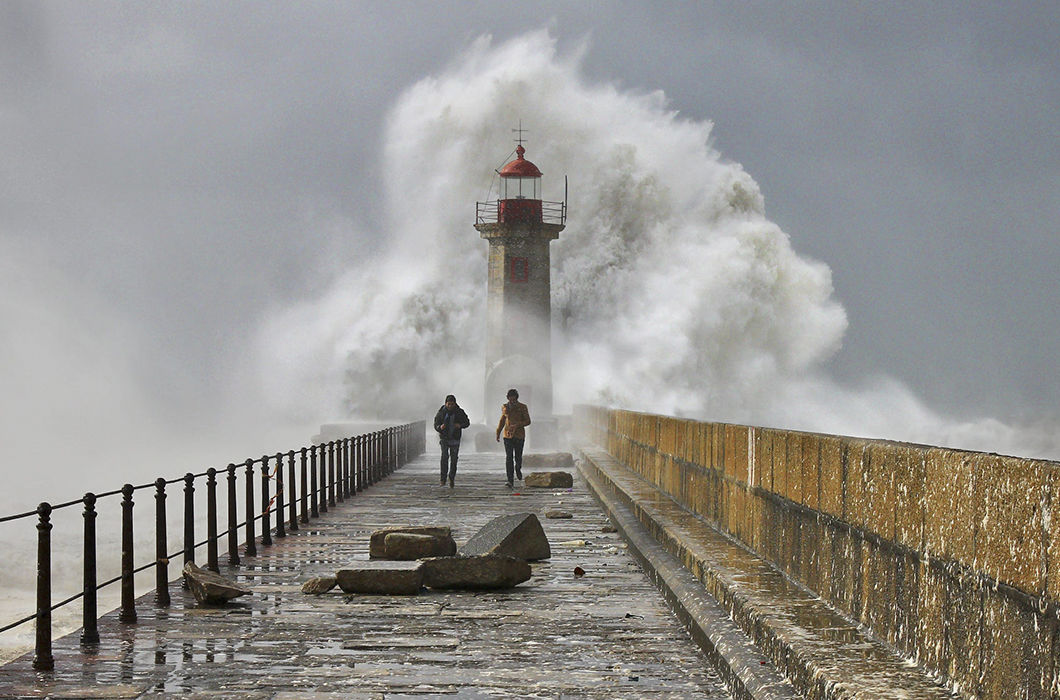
[[520, 167]]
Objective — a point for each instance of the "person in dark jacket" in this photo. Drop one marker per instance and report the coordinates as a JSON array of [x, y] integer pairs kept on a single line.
[[449, 422]]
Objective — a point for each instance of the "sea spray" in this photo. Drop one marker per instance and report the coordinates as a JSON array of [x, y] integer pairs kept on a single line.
[[672, 290]]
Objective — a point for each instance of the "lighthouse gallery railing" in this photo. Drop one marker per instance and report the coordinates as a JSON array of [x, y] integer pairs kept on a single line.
[[551, 212]]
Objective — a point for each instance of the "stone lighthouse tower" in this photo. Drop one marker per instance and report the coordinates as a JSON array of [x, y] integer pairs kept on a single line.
[[519, 227]]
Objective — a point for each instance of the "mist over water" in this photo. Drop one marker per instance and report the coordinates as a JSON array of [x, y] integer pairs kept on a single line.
[[672, 290]]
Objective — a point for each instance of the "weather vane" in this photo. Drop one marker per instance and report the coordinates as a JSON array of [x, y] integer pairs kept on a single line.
[[520, 131]]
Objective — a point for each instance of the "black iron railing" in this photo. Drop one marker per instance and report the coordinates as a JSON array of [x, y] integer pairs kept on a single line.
[[317, 478], [551, 212]]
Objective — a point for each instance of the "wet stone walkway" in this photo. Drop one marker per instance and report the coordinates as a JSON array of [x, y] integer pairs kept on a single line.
[[607, 634]]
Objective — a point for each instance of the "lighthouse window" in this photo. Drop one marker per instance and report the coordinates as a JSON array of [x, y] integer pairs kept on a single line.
[[520, 270], [521, 187]]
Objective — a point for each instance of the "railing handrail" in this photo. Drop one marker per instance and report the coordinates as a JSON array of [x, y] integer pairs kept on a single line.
[[488, 212], [345, 465]]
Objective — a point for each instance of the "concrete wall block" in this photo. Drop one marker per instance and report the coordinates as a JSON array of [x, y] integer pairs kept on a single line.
[[831, 484], [754, 521], [949, 509], [909, 475], [932, 638], [780, 463], [793, 467], [1051, 531], [738, 453], [1016, 652], [1010, 545], [810, 459], [689, 438], [854, 508], [717, 446], [878, 591], [763, 459], [814, 552], [844, 571], [769, 542], [703, 444], [908, 572], [668, 435], [791, 543], [963, 622], [878, 476]]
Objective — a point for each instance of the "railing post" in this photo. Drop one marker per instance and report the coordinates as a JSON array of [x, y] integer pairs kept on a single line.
[[211, 520], [358, 485], [323, 477], [233, 538], [42, 656], [189, 518], [161, 546], [305, 486], [339, 495], [89, 629], [251, 549], [280, 495], [292, 495], [331, 473], [314, 512], [128, 590], [362, 448], [347, 463], [266, 518]]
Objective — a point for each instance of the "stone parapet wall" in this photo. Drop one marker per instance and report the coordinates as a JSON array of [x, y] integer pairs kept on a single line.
[[951, 556]]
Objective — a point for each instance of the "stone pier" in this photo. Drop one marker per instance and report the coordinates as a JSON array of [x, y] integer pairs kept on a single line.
[[604, 634]]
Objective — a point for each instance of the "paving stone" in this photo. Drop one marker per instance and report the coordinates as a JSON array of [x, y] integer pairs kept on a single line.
[[486, 571], [549, 480], [519, 535], [381, 578]]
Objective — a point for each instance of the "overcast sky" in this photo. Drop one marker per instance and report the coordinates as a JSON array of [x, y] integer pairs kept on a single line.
[[173, 172]]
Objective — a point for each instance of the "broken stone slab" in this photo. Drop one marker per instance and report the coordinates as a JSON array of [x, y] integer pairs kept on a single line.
[[488, 571], [211, 588], [557, 514], [549, 480], [407, 546], [519, 535], [381, 578], [319, 584], [552, 461], [377, 541]]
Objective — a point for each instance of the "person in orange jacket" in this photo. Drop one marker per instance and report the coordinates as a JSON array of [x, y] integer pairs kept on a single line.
[[515, 417]]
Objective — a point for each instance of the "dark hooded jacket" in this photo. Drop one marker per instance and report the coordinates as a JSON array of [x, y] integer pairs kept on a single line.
[[450, 424]]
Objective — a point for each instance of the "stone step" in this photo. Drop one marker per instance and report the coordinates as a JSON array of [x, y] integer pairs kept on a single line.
[[821, 652]]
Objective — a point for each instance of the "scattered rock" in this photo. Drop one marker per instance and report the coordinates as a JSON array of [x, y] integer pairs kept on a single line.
[[579, 572], [557, 514], [549, 460], [407, 546], [382, 578], [211, 588], [549, 480], [520, 536], [377, 541], [487, 571], [318, 585], [609, 528]]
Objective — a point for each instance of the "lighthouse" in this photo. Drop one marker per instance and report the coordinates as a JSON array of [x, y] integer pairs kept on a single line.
[[519, 226]]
